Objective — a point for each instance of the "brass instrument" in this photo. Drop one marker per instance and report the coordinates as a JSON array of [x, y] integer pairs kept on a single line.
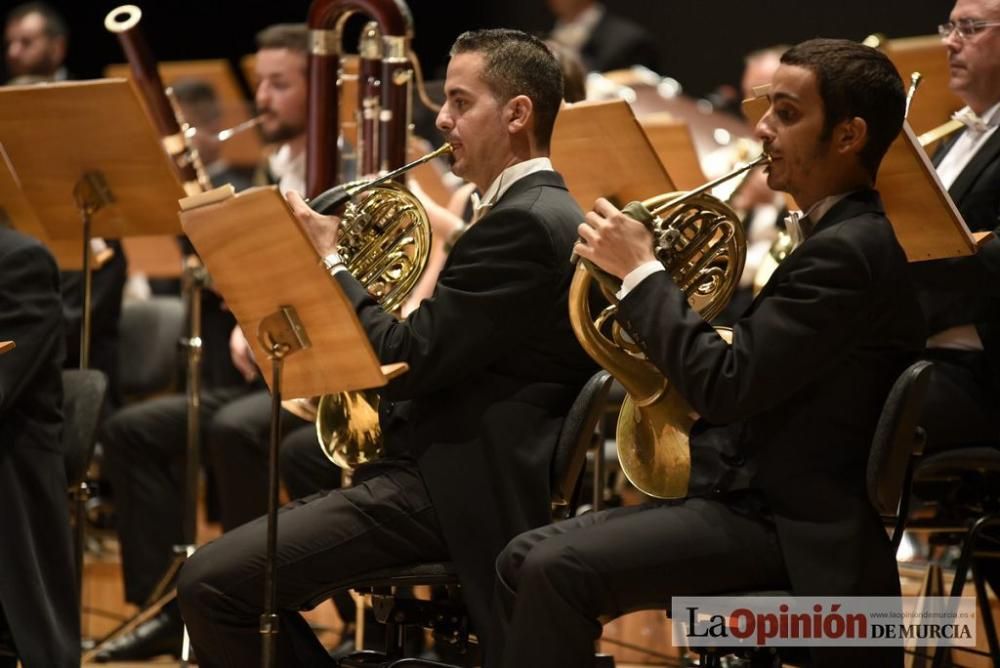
[[385, 243], [701, 243]]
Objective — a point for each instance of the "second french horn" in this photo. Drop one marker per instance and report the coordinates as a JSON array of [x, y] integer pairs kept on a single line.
[[701, 243]]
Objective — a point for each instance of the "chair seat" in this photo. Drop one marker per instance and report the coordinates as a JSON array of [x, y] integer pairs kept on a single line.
[[413, 575], [960, 462]]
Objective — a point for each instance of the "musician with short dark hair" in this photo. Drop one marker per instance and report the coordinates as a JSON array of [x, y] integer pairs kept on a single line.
[[470, 429], [777, 497]]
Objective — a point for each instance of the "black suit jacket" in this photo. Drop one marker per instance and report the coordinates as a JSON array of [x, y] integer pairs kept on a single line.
[[790, 408], [494, 367], [37, 588], [618, 43], [961, 291]]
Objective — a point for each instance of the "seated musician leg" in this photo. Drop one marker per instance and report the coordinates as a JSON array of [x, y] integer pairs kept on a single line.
[[557, 581], [237, 449], [383, 520]]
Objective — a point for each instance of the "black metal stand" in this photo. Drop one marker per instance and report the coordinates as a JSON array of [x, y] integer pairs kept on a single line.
[[91, 193], [281, 334], [195, 279]]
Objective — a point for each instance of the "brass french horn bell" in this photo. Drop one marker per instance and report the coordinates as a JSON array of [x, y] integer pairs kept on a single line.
[[701, 243]]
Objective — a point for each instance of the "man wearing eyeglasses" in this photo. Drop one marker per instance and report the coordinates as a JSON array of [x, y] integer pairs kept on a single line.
[[961, 297]]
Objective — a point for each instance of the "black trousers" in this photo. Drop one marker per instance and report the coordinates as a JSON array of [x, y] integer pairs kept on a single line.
[[144, 459], [238, 441], [386, 519], [555, 583]]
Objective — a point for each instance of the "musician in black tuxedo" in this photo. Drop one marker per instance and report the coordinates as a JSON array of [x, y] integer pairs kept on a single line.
[[39, 615], [961, 296], [471, 427], [777, 496]]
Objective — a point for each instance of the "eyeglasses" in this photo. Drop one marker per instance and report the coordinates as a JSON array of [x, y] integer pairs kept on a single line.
[[966, 27]]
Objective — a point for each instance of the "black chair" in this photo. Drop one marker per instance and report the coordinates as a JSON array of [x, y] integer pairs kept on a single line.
[[963, 487], [896, 447], [149, 334], [83, 398], [448, 619]]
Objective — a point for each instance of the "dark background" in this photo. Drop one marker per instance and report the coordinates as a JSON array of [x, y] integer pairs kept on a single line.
[[701, 43]]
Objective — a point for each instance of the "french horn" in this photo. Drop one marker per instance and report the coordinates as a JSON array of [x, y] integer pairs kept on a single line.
[[701, 243]]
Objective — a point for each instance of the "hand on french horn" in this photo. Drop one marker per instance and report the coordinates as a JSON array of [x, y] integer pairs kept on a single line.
[[613, 241], [323, 231]]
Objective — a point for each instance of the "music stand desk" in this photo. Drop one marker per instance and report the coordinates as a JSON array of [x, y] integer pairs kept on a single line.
[[261, 261], [602, 151]]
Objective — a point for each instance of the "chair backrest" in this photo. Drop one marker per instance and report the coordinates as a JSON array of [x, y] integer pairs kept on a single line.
[[83, 398], [576, 437], [897, 438], [148, 355]]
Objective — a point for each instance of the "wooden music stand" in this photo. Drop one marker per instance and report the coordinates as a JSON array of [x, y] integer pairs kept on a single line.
[[244, 149], [88, 152], [305, 335], [671, 139], [16, 212], [926, 221], [602, 151]]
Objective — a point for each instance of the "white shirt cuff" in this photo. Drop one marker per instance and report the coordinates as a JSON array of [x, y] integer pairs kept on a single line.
[[333, 263], [637, 275]]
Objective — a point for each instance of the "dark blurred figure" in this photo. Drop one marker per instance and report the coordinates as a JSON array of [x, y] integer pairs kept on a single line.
[[199, 105], [39, 613], [602, 40]]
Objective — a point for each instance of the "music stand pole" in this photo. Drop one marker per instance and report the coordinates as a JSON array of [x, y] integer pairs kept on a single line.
[[281, 334], [195, 279], [91, 193]]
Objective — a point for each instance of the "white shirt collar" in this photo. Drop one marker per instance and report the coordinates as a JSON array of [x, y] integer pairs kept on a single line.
[[508, 177], [288, 169], [793, 222]]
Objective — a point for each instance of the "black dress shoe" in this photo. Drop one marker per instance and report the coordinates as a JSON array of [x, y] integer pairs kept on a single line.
[[161, 634]]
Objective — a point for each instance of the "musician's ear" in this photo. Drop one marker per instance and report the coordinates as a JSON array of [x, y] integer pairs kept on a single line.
[[517, 112], [851, 135]]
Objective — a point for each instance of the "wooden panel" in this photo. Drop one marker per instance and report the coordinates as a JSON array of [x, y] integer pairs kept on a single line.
[[16, 212], [153, 257], [671, 139], [244, 149], [925, 219], [77, 127], [934, 102], [260, 259], [601, 151]]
